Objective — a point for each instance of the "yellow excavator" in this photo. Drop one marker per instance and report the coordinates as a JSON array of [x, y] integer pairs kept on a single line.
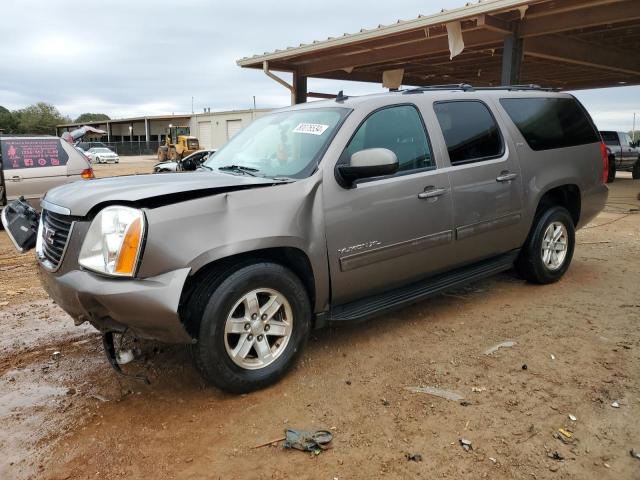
[[178, 144]]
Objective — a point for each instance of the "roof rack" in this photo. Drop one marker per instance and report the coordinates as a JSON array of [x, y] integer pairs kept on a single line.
[[465, 87]]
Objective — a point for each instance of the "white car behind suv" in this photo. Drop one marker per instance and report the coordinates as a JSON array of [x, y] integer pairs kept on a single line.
[[103, 155]]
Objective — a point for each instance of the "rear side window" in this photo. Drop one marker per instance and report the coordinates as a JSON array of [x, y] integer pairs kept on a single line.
[[548, 123], [399, 129], [470, 131], [610, 138]]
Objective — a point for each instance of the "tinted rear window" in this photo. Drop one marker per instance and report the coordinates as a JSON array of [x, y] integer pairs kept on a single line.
[[610, 138], [547, 123], [469, 130]]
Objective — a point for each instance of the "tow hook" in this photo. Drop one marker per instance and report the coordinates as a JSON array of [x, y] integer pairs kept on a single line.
[[110, 351]]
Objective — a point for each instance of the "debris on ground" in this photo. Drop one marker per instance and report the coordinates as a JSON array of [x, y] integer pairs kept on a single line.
[[478, 389], [524, 367], [124, 356], [565, 433], [438, 392], [634, 453], [464, 403], [556, 456], [495, 348], [307, 441], [55, 356], [553, 357], [615, 404], [493, 460], [572, 417], [99, 397], [413, 457], [466, 444]]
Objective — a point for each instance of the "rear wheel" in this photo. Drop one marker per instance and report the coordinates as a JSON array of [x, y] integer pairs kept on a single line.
[[548, 251], [611, 176], [254, 322], [635, 173]]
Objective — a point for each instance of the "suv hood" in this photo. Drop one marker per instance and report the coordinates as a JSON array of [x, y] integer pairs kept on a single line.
[[148, 190]]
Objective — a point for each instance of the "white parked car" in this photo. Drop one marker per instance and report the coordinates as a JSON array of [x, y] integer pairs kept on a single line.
[[103, 155]]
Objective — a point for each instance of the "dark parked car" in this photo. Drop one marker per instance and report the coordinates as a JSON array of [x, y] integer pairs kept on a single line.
[[623, 155], [323, 214]]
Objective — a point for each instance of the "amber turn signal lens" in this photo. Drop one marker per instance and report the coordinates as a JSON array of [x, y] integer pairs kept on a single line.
[[87, 174], [126, 262]]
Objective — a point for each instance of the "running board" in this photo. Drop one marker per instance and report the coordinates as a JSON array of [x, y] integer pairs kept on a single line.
[[377, 304]]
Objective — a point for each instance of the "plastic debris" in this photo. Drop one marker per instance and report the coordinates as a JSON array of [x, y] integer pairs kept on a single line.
[[478, 389], [495, 348], [413, 457], [553, 357], [572, 417], [565, 433], [438, 392], [124, 356], [634, 453], [56, 355], [493, 460], [466, 444], [615, 404], [305, 441]]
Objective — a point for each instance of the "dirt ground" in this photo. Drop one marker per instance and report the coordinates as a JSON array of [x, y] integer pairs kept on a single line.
[[65, 415]]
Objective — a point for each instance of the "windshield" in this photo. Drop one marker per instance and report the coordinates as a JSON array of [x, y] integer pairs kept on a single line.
[[101, 150], [282, 144]]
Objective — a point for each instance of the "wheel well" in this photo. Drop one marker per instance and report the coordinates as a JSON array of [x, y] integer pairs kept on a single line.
[[567, 196], [293, 258]]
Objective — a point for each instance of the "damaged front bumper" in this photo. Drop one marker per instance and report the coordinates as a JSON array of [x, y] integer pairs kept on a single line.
[[146, 308]]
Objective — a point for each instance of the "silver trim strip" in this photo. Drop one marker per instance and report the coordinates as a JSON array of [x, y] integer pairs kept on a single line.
[[361, 259], [52, 207], [467, 231]]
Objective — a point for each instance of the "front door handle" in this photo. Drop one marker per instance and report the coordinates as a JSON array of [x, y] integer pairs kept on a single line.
[[506, 176], [16, 178], [431, 192]]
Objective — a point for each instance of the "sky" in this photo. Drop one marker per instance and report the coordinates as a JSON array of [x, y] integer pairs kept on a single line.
[[150, 57]]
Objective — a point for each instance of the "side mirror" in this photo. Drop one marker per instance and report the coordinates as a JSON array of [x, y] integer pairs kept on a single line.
[[371, 162]]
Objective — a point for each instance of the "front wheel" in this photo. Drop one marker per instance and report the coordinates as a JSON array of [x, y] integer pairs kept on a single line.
[[548, 251], [635, 173], [254, 321]]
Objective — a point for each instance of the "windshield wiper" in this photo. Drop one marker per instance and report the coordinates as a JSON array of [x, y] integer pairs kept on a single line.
[[202, 165], [239, 168]]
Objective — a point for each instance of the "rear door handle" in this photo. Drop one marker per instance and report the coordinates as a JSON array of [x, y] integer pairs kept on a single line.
[[431, 192], [506, 176], [16, 178]]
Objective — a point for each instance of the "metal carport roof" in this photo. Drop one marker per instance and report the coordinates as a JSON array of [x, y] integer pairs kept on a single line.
[[566, 44]]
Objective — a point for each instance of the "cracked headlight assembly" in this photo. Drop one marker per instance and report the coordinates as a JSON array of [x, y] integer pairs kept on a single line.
[[113, 244]]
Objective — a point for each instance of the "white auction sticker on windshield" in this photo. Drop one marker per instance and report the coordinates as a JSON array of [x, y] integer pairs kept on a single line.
[[310, 128]]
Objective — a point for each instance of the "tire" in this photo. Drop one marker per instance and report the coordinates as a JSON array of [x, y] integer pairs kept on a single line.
[[99, 160], [217, 303], [635, 173], [531, 264], [611, 176]]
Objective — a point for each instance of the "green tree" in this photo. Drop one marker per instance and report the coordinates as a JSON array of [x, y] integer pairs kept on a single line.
[[40, 118], [8, 121], [92, 117]]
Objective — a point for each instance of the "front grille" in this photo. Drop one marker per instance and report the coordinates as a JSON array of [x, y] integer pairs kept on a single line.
[[55, 234]]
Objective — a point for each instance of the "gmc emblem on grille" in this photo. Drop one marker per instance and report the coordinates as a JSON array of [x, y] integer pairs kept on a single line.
[[49, 233]]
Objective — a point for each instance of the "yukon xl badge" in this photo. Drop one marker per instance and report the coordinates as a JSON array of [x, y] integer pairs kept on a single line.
[[359, 247]]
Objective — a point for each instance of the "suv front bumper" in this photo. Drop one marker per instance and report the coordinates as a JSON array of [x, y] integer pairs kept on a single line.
[[148, 307]]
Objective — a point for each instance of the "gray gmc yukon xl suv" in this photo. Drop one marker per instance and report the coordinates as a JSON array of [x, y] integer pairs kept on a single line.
[[326, 213]]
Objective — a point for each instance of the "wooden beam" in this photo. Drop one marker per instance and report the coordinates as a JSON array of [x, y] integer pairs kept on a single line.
[[494, 23], [402, 52], [328, 96], [578, 52], [583, 18]]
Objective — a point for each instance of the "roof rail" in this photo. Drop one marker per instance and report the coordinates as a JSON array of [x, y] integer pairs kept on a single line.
[[465, 87]]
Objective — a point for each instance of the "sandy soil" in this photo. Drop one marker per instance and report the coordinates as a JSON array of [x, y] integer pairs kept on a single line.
[[65, 415]]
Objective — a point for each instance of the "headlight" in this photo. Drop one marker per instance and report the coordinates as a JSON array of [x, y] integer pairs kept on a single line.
[[114, 241]]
